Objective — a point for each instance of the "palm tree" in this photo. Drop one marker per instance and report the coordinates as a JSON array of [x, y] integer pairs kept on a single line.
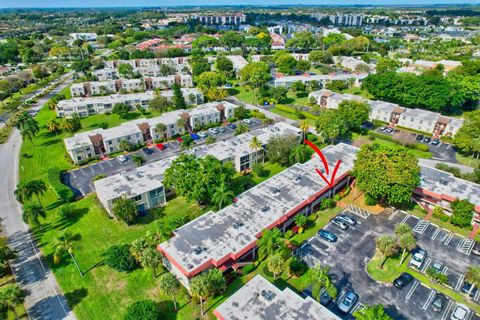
[[29, 130], [376, 312], [275, 264], [406, 242], [161, 129], [222, 195], [255, 144], [187, 143], [181, 123], [63, 244], [199, 289], [53, 126], [23, 192], [138, 159], [387, 246], [124, 145], [67, 125], [31, 213], [11, 296], [241, 128], [270, 242], [168, 285], [402, 229], [473, 277], [37, 188], [319, 278], [304, 127]]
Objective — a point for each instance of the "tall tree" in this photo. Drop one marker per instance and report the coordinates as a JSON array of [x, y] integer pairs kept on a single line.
[[32, 212], [28, 126], [178, 98], [275, 264], [319, 278], [125, 210], [11, 295], [23, 192], [37, 188], [387, 246], [255, 144], [473, 276], [222, 195], [405, 239], [169, 285], [376, 312], [390, 180], [64, 244], [53, 126], [270, 242], [279, 148]]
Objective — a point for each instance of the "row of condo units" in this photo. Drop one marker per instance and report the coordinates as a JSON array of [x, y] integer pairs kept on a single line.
[[416, 119], [354, 64], [84, 107], [260, 299], [144, 185], [323, 79], [235, 18], [418, 66], [129, 85], [91, 144], [228, 238]]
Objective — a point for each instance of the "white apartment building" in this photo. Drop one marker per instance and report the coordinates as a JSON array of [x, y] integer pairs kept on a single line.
[[85, 107], [393, 114], [94, 88], [323, 79], [99, 142], [345, 19], [179, 63], [220, 19], [353, 64], [145, 184]]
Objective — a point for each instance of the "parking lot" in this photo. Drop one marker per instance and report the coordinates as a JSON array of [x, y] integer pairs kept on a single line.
[[80, 180], [441, 151], [348, 256]]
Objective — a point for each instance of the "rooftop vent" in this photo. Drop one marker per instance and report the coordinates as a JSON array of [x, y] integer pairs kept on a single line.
[[265, 209], [268, 295], [298, 178], [443, 181], [199, 250], [237, 225], [275, 190], [190, 266]]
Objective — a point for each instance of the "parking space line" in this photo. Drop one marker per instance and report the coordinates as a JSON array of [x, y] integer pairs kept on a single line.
[[91, 169], [73, 174], [412, 290], [100, 165], [477, 295], [421, 226], [426, 265], [460, 244], [459, 282], [358, 307], [434, 236], [467, 246], [83, 172], [429, 299], [393, 214], [405, 219], [445, 269], [449, 238], [109, 163], [446, 312]]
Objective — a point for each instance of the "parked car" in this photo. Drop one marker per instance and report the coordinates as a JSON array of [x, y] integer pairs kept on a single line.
[[382, 128], [325, 298], [347, 218], [348, 302], [437, 266], [327, 235], [339, 223], [221, 129], [194, 136], [389, 130], [467, 289], [439, 302], [435, 142], [148, 151], [403, 280], [418, 259], [247, 121], [427, 139], [121, 158], [366, 124], [179, 139], [420, 137], [232, 126], [476, 249], [202, 134], [461, 312], [213, 130], [161, 146]]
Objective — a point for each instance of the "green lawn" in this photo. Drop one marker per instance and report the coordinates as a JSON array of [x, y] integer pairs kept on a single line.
[[292, 116], [415, 152], [468, 161]]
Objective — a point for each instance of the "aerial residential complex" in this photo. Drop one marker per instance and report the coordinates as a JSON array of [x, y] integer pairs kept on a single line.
[[225, 238], [220, 19], [393, 114], [85, 107], [145, 184], [260, 299], [96, 143], [323, 79], [93, 88]]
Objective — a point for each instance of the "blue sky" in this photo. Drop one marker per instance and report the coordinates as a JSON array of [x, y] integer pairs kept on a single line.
[[136, 3]]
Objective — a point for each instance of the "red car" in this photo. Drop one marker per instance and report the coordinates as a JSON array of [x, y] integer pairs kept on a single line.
[[180, 140], [160, 146]]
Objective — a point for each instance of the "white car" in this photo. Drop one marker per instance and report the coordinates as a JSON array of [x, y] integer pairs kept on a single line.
[[121, 158], [247, 121], [461, 312], [418, 259], [202, 134], [213, 130]]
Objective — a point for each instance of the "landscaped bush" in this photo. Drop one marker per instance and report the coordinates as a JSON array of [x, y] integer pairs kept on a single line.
[[67, 211], [299, 114], [312, 217], [420, 147], [99, 177], [337, 197], [286, 108], [61, 190], [327, 204], [143, 310], [289, 234], [311, 137], [439, 214], [346, 191], [259, 170], [382, 136], [120, 258], [297, 267], [248, 268], [369, 200]]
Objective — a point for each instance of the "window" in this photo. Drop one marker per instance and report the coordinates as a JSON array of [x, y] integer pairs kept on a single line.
[[136, 198], [79, 157], [111, 149], [89, 155]]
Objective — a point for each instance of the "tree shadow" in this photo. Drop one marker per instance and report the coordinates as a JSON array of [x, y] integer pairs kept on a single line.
[[50, 142], [302, 94], [167, 309], [131, 116], [98, 264], [233, 91], [76, 296], [242, 183]]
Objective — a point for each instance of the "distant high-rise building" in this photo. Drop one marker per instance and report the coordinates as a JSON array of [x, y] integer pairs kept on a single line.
[[220, 19], [345, 19]]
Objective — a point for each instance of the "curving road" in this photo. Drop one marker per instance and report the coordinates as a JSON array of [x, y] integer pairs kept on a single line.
[[44, 299]]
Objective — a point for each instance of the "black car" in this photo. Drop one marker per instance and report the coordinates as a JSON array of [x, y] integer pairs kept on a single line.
[[232, 126], [325, 299], [148, 151], [427, 140], [404, 280], [476, 249], [420, 137], [435, 142], [439, 302], [467, 288]]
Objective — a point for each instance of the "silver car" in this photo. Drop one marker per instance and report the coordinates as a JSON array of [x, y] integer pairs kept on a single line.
[[339, 223], [348, 302], [347, 218]]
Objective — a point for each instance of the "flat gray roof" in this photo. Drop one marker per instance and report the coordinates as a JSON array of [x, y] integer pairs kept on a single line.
[[445, 183], [260, 299], [235, 227], [421, 114]]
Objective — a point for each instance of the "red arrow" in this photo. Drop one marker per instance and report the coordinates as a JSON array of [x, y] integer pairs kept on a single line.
[[325, 163]]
